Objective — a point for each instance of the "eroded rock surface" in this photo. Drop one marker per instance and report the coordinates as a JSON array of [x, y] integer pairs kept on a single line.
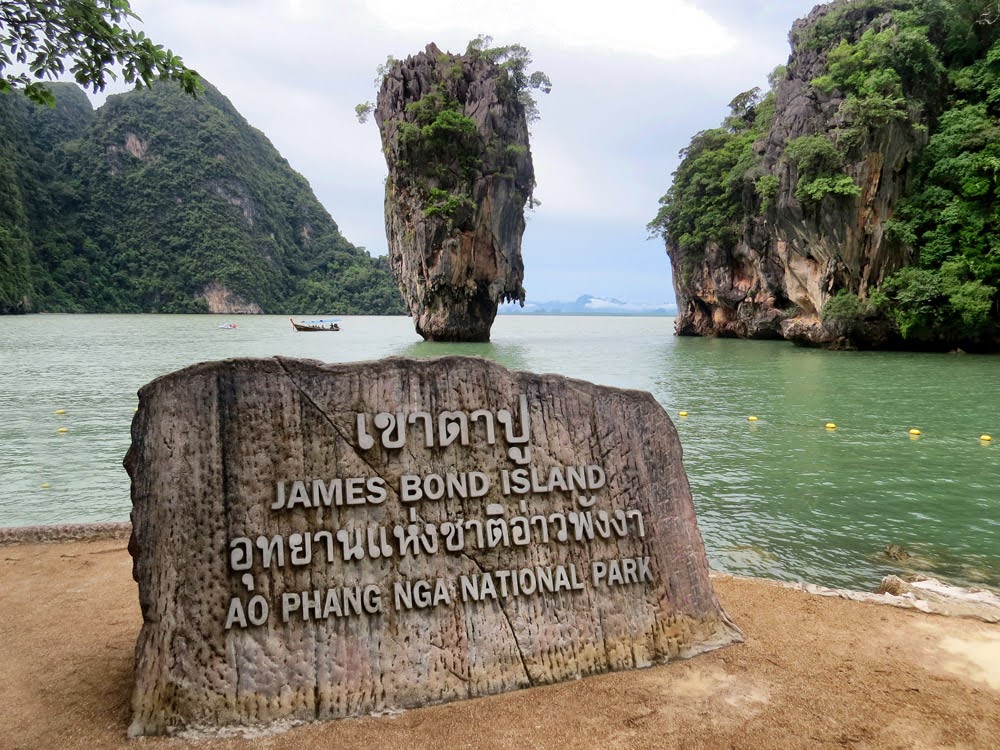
[[222, 300], [456, 190], [787, 262], [321, 541]]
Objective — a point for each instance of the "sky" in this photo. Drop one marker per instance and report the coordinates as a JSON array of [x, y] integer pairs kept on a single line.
[[632, 82]]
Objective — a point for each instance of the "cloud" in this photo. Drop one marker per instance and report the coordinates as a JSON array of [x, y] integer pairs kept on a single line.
[[667, 30]]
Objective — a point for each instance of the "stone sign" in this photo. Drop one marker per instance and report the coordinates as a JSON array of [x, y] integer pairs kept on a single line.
[[320, 541]]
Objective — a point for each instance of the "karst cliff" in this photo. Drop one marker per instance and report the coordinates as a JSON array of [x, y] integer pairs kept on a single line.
[[854, 204], [455, 138]]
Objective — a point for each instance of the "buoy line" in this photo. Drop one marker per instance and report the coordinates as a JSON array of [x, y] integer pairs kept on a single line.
[[913, 432]]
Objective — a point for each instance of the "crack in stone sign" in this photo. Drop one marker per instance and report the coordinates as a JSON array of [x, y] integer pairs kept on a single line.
[[315, 541]]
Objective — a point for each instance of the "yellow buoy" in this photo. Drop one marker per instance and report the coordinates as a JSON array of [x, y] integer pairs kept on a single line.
[[915, 431], [135, 409], [45, 485], [682, 414], [986, 438], [830, 426], [751, 419], [63, 429], [60, 411]]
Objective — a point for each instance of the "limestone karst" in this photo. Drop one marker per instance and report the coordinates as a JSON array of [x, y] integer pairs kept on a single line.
[[854, 204], [454, 132]]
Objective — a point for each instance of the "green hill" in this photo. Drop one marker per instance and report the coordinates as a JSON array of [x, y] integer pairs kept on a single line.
[[158, 202]]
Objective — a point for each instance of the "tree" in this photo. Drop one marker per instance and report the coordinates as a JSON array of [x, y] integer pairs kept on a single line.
[[94, 36]]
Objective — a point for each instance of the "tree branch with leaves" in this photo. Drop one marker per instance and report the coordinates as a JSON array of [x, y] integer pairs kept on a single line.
[[92, 37]]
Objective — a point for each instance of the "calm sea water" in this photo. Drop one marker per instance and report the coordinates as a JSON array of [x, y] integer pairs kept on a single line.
[[780, 497]]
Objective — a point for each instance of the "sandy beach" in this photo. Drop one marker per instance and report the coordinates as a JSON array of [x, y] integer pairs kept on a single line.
[[814, 672]]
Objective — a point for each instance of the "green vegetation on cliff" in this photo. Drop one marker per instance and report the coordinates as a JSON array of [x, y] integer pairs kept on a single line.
[[160, 202], [32, 195], [917, 79], [952, 219], [704, 205], [939, 60]]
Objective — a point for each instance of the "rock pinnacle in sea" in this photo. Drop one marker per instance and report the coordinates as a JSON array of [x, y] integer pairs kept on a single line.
[[455, 139]]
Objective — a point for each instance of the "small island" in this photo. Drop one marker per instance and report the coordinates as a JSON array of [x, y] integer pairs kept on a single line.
[[454, 132]]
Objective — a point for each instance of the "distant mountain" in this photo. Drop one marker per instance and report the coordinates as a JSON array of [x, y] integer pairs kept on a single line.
[[160, 202], [586, 305]]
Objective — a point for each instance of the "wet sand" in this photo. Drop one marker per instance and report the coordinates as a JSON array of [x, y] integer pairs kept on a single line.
[[814, 672]]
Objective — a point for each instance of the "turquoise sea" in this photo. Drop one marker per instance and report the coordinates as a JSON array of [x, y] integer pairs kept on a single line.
[[782, 497]]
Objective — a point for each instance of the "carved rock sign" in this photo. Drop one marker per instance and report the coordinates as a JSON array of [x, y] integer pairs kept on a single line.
[[320, 541]]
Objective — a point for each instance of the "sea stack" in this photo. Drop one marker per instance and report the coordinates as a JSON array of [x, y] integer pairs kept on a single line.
[[455, 138]]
